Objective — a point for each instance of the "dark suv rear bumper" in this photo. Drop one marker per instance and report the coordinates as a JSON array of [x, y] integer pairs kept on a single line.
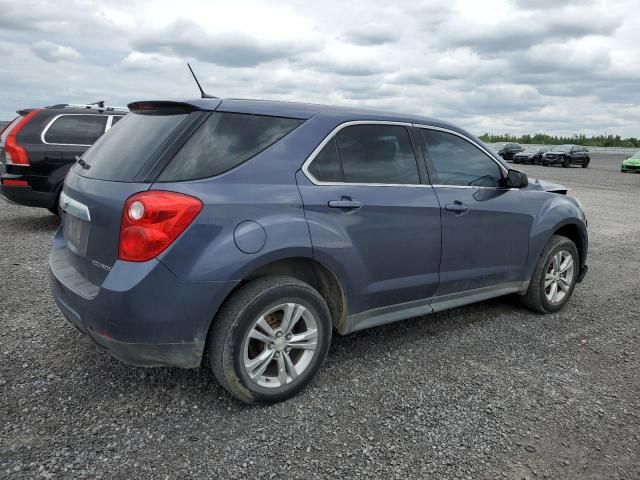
[[28, 196]]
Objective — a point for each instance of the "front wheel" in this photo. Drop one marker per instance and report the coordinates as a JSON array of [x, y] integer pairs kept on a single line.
[[269, 339], [554, 277], [585, 162], [566, 162]]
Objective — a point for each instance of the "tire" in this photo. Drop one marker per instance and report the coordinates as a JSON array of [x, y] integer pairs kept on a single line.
[[537, 297], [566, 162], [56, 208], [585, 162], [230, 348], [544, 164]]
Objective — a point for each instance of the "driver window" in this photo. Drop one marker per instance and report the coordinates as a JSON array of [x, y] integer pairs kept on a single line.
[[454, 161]]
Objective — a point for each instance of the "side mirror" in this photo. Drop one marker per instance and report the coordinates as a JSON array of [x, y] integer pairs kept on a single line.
[[516, 179]]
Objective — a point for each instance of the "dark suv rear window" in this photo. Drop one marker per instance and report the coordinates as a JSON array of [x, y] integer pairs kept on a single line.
[[223, 142], [76, 129], [122, 152]]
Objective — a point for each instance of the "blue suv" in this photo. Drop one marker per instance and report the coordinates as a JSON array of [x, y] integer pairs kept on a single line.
[[242, 234]]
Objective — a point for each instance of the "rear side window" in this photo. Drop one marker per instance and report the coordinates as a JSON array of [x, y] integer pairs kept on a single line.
[[377, 154], [122, 152], [326, 166], [223, 142], [76, 129]]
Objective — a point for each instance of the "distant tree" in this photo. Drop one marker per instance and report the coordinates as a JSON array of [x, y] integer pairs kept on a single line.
[[602, 140]]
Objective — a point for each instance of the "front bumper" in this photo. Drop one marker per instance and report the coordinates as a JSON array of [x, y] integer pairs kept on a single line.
[[630, 168], [142, 313]]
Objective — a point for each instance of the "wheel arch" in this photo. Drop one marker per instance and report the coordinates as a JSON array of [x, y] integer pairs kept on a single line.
[[562, 216], [306, 269], [577, 235]]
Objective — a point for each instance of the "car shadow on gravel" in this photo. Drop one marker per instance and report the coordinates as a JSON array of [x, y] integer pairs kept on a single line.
[[109, 379], [31, 223]]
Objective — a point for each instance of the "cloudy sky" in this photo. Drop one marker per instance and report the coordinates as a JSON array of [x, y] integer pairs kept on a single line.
[[517, 66]]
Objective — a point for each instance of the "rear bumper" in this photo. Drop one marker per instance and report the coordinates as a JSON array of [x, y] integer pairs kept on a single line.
[[28, 196], [142, 314]]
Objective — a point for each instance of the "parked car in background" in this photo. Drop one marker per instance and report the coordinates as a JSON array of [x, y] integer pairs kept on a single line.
[[242, 233], [567, 155], [531, 155], [509, 150], [631, 164], [40, 146]]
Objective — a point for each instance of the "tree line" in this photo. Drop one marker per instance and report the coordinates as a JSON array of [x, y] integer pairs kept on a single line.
[[544, 139]]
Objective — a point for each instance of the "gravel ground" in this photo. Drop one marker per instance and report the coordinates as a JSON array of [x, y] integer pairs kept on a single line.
[[486, 391]]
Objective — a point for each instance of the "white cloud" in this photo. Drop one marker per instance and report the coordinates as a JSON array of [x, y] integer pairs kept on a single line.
[[498, 65], [52, 52]]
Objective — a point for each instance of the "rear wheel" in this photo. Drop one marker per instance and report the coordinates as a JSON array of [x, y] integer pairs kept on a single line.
[[269, 339], [554, 277]]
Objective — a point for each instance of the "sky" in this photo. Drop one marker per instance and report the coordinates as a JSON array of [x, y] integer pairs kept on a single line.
[[497, 66]]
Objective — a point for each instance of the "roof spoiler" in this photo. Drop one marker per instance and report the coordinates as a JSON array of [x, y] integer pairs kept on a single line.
[[170, 106]]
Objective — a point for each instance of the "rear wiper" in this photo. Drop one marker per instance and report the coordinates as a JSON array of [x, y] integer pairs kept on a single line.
[[82, 163]]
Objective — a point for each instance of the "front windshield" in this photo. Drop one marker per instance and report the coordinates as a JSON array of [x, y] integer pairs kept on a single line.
[[532, 150], [636, 155], [563, 148]]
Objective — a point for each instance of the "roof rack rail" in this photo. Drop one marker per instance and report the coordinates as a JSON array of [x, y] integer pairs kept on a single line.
[[99, 106]]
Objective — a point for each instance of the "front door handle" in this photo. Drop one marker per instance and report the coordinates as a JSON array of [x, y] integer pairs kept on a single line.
[[457, 207], [345, 203]]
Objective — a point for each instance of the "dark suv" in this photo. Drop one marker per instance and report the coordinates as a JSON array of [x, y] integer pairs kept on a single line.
[[241, 234], [508, 150], [567, 155], [40, 145]]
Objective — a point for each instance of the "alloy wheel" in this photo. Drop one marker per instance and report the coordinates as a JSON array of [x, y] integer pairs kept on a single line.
[[559, 276], [280, 345]]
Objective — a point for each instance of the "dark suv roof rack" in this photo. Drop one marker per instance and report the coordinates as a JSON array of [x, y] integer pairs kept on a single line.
[[99, 106]]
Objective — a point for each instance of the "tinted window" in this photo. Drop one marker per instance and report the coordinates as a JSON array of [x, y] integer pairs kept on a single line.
[[454, 161], [326, 166], [377, 154], [121, 152], [224, 142], [76, 129]]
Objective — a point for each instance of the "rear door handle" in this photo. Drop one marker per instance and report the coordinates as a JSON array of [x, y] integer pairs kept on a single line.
[[345, 203], [457, 207]]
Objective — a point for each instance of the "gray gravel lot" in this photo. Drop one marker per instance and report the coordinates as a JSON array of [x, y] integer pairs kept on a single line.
[[485, 391]]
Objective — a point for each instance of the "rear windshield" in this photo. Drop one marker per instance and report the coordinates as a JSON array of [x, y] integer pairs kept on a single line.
[[122, 152], [223, 142]]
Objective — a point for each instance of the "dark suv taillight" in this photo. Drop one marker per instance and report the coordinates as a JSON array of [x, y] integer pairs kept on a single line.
[[151, 221], [14, 153]]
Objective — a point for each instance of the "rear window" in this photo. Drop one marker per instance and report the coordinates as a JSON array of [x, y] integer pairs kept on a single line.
[[75, 129], [122, 152], [223, 142]]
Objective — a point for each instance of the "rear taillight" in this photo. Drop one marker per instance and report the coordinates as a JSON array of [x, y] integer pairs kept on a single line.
[[151, 221], [13, 151]]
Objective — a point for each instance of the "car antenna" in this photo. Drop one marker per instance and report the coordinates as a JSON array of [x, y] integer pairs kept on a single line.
[[202, 93]]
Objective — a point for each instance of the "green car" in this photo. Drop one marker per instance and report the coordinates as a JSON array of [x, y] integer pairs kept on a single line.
[[632, 164]]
